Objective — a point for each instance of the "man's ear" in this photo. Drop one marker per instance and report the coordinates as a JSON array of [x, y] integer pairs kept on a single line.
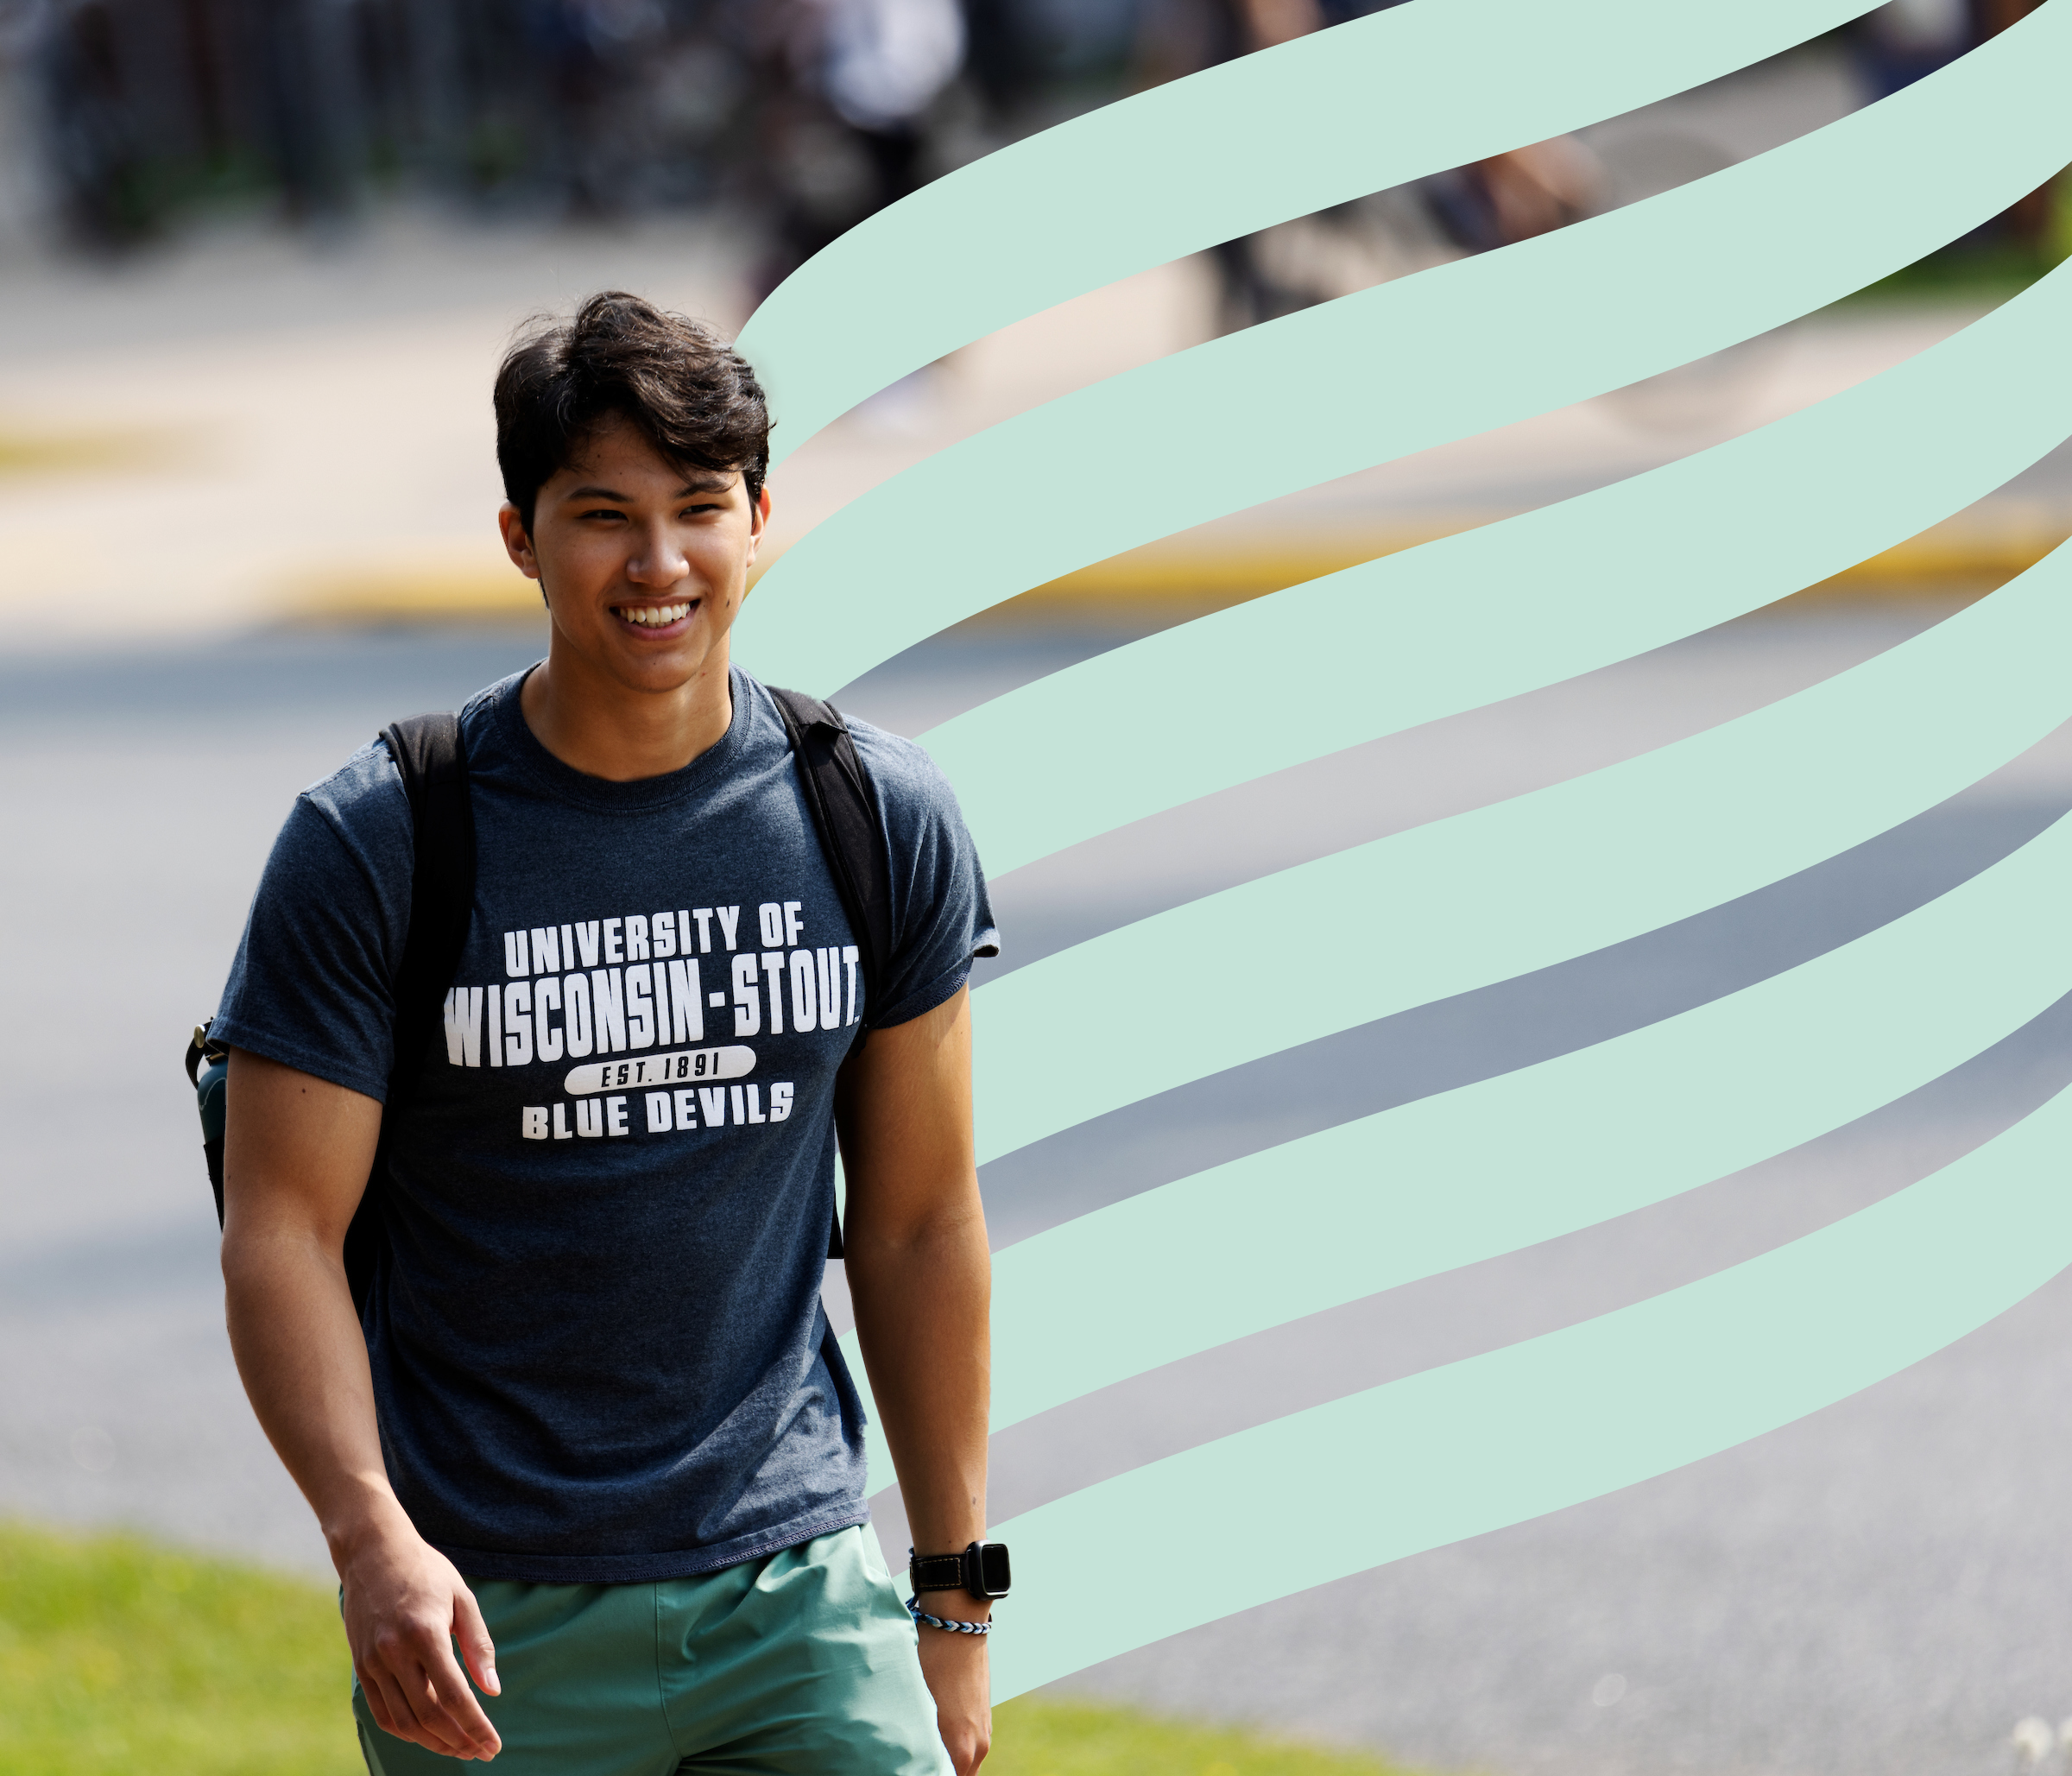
[[516, 543], [759, 523]]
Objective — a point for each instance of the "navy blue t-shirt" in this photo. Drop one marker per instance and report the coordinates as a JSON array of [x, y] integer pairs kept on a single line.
[[598, 1349]]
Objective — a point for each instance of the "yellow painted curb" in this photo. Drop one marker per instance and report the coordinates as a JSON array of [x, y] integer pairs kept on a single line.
[[378, 598], [73, 452], [1186, 576], [1941, 555], [1196, 575]]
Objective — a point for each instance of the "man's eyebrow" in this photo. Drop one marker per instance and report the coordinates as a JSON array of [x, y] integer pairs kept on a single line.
[[702, 483]]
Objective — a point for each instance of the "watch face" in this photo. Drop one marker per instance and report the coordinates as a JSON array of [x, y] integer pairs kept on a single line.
[[993, 1568]]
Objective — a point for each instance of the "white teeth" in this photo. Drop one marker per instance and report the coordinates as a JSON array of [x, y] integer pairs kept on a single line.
[[654, 615]]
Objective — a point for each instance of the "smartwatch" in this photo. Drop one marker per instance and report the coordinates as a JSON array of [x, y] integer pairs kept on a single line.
[[982, 1569]]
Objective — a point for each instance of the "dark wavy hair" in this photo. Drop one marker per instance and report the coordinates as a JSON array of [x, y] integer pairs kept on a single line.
[[688, 392]]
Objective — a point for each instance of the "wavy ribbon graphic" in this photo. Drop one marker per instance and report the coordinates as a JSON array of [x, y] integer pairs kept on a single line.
[[1375, 103], [1472, 619], [1505, 889], [1450, 352], [1484, 896]]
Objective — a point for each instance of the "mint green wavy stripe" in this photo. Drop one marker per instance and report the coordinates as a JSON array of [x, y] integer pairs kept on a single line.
[[1458, 623], [1446, 354], [1502, 890], [1527, 1156], [1524, 1157], [1496, 1439], [1368, 104]]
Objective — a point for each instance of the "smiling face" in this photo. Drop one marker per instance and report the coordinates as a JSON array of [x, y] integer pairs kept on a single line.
[[644, 562]]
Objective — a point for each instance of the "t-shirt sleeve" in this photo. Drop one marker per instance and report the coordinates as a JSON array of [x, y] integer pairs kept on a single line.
[[941, 917], [312, 983]]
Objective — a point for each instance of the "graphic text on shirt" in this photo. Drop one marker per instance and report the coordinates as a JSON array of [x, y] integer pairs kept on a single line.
[[621, 985]]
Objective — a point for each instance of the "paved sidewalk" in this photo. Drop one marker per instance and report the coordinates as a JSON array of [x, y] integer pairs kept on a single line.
[[242, 433], [210, 440]]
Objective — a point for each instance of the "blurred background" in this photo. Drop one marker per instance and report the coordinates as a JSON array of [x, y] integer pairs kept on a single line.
[[258, 259]]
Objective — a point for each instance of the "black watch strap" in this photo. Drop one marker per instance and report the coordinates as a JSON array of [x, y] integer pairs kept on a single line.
[[936, 1572], [980, 1568]]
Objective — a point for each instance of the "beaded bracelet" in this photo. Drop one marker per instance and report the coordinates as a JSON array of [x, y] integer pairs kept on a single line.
[[915, 1609]]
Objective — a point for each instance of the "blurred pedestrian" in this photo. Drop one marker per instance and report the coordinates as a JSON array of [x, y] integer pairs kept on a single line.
[[1180, 37], [848, 87], [1506, 198], [1907, 40], [595, 53], [1515, 195], [97, 158]]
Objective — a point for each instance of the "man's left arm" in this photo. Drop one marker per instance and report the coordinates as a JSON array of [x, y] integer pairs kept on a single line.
[[920, 1276]]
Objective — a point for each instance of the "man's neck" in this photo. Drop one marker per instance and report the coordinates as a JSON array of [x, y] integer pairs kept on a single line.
[[602, 729]]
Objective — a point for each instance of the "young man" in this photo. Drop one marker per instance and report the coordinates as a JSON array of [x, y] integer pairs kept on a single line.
[[592, 1424]]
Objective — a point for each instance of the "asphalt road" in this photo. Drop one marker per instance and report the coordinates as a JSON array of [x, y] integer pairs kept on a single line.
[[1883, 1587]]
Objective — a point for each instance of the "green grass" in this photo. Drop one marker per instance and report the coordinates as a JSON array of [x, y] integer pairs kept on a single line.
[[1034, 1737], [117, 1655]]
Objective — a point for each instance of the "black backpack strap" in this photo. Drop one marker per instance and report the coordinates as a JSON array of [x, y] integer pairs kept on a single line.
[[844, 807], [433, 764], [845, 814], [204, 1053]]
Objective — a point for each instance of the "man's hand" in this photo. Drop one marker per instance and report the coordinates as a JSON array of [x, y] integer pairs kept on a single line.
[[961, 1682], [405, 1606]]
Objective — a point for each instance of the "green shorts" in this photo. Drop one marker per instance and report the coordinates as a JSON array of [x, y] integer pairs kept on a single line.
[[803, 1661]]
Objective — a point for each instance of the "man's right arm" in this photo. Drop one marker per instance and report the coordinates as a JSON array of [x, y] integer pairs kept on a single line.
[[297, 1151]]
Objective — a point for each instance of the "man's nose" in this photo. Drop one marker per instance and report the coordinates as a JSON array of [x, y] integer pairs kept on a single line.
[[658, 561]]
